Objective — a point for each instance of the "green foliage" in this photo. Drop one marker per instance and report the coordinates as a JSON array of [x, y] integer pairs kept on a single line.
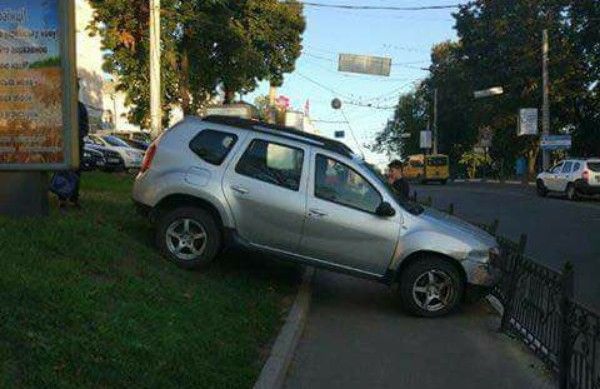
[[88, 302], [473, 161], [400, 137], [500, 45], [46, 63], [207, 46]]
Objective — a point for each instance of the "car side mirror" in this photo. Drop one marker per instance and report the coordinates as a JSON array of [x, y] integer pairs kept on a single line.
[[385, 210]]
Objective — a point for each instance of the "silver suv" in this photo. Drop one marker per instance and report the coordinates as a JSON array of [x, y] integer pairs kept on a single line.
[[210, 182]]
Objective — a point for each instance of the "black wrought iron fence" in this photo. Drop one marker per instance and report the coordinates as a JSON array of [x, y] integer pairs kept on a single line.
[[540, 310]]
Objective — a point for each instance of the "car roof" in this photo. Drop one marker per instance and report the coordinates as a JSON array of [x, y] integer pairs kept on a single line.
[[286, 132]]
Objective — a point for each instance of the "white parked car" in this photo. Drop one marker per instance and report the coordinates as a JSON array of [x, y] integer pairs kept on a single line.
[[573, 177], [132, 158]]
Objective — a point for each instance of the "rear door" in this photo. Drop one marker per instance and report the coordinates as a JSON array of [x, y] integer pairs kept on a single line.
[[265, 187], [341, 226]]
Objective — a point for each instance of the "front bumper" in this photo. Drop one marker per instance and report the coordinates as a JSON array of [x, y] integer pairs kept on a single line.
[[481, 274]]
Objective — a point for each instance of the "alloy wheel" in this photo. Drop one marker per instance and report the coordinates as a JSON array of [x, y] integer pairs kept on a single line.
[[186, 239], [433, 290]]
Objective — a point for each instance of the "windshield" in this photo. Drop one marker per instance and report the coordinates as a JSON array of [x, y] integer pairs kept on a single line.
[[114, 141], [409, 205]]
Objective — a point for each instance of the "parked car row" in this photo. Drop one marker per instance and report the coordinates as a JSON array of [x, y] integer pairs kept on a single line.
[[117, 153]]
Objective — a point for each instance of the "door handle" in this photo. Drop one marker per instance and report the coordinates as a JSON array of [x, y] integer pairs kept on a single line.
[[239, 189], [316, 213]]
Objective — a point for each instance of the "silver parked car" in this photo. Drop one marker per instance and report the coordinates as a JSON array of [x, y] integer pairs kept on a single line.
[[307, 199]]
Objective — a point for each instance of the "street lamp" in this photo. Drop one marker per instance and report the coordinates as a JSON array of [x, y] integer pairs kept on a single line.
[[493, 91]]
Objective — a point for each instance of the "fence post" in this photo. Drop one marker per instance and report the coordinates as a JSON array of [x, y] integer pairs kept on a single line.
[[494, 227], [566, 346], [451, 209], [514, 275]]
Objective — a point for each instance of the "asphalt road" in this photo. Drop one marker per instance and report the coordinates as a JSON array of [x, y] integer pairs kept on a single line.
[[557, 230]]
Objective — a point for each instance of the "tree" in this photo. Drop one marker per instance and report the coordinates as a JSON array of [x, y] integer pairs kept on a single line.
[[473, 161], [207, 46], [401, 135]]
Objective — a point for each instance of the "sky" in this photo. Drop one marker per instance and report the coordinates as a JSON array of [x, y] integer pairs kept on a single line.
[[405, 36]]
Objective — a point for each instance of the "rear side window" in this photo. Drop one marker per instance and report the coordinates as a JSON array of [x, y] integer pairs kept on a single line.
[[273, 163], [594, 166], [213, 146], [576, 167], [567, 167]]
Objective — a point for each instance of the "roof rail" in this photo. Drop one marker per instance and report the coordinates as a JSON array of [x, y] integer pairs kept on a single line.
[[289, 132]]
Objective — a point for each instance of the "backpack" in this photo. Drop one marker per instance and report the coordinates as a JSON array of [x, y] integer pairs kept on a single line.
[[63, 183]]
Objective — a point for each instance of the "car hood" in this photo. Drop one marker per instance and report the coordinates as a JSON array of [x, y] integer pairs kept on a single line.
[[456, 226]]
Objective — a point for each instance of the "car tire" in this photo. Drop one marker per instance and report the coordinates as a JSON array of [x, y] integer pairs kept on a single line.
[[431, 287], [571, 192], [188, 237], [541, 188]]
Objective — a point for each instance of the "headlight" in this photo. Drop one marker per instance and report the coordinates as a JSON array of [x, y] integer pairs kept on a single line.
[[482, 256], [495, 256]]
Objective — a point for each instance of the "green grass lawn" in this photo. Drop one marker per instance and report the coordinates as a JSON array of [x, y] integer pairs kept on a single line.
[[85, 300]]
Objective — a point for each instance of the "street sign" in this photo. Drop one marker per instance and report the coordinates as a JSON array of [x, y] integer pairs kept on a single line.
[[365, 64], [528, 121], [38, 97], [425, 140], [555, 142], [339, 134]]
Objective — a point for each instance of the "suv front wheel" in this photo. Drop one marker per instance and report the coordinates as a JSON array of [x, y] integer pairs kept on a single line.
[[431, 287], [189, 237]]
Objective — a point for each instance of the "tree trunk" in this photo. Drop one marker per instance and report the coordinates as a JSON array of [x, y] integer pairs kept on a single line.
[[184, 88], [229, 96]]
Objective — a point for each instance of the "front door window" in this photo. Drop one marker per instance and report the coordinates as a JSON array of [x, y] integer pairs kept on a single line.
[[338, 183]]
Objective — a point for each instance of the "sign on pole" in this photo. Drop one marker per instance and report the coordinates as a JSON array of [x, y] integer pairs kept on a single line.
[[38, 94], [425, 140], [339, 134], [365, 64], [528, 121], [555, 142]]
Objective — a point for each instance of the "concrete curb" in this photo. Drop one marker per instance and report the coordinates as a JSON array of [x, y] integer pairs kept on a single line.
[[495, 303], [275, 369], [480, 181]]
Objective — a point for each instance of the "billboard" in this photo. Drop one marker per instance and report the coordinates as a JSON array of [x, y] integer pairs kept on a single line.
[[425, 140], [365, 64], [528, 121], [37, 85]]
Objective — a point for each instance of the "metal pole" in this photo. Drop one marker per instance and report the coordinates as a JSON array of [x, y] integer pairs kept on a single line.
[[546, 102], [435, 121], [155, 100]]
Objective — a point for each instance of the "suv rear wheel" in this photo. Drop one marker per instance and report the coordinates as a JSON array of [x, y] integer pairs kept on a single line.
[[431, 287], [189, 237], [571, 192]]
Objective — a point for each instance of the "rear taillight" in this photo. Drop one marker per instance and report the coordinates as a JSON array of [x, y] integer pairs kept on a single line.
[[148, 157], [586, 176]]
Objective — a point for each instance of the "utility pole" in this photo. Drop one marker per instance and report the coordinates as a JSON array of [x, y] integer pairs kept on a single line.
[[155, 100], [546, 102], [435, 121]]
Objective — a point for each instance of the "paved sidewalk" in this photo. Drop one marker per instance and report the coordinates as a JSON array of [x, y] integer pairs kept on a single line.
[[358, 337]]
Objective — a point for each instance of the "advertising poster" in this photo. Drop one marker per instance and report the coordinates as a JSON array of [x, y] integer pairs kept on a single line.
[[32, 125]]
